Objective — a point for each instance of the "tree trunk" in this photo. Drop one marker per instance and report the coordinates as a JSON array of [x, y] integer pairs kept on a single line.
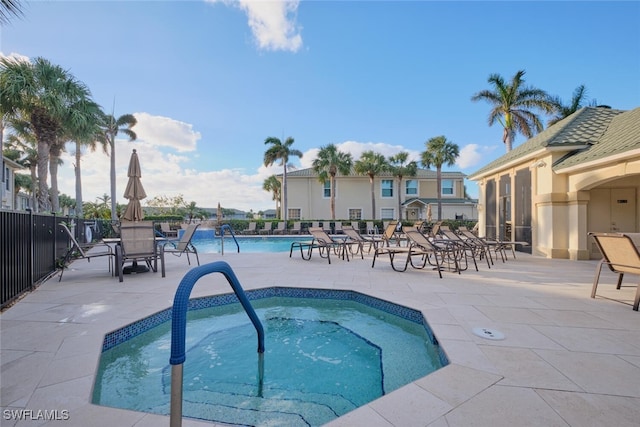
[[399, 199], [34, 188], [54, 158], [44, 203], [78, 172], [284, 194], [508, 142], [439, 189], [112, 143], [333, 196], [373, 198]]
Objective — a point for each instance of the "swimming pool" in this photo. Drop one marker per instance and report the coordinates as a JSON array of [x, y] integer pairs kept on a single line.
[[247, 244], [327, 353]]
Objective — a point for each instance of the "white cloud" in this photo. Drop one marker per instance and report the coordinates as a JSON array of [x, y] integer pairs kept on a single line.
[[272, 22], [15, 56], [472, 155], [357, 148], [163, 131]]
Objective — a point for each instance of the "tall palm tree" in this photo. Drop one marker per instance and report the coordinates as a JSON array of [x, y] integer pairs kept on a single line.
[[577, 102], [43, 94], [513, 105], [9, 8], [281, 151], [400, 168], [111, 127], [371, 164], [439, 152], [327, 165], [272, 184]]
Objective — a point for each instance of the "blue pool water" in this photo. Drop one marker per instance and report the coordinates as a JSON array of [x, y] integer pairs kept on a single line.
[[323, 358], [247, 244]]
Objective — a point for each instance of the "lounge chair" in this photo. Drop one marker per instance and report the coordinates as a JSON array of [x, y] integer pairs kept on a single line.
[[620, 252], [86, 251], [182, 246], [266, 229], [281, 228], [357, 239], [418, 245], [138, 243], [468, 247], [498, 248], [297, 228], [371, 229], [167, 231], [337, 228], [326, 244], [251, 229]]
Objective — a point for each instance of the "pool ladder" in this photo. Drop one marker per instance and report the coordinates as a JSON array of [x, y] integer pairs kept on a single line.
[[179, 329], [227, 227]]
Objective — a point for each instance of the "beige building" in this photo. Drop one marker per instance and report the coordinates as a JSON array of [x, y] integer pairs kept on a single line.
[[308, 198], [578, 176], [7, 189]]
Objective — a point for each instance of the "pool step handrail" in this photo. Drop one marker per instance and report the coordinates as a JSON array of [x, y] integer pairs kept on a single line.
[[179, 327], [228, 227]]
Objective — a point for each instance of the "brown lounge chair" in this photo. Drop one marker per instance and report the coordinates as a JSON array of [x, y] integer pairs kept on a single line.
[[326, 244], [418, 245], [182, 246], [86, 251], [620, 253]]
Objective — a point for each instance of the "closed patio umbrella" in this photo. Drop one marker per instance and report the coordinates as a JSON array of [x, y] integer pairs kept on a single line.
[[134, 191]]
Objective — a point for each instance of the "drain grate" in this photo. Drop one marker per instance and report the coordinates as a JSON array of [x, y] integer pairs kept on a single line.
[[490, 334]]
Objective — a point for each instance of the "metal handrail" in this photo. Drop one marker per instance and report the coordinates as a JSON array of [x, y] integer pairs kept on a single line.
[[179, 329], [222, 228]]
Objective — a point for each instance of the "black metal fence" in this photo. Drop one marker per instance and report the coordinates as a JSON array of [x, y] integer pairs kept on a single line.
[[32, 246]]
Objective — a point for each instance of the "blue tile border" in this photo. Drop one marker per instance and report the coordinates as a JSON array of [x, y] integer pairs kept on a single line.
[[125, 333]]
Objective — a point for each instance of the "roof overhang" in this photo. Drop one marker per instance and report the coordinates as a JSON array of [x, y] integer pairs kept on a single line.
[[508, 165], [599, 162]]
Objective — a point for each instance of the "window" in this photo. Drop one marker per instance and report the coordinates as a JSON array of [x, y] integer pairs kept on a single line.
[[7, 179], [293, 213], [326, 189], [387, 213], [387, 188], [355, 214], [447, 187], [411, 187]]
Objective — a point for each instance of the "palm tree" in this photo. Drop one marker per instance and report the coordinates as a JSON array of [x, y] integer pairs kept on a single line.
[[9, 8], [272, 184], [400, 168], [371, 164], [577, 102], [281, 151], [44, 95], [439, 152], [327, 165], [110, 129], [512, 106]]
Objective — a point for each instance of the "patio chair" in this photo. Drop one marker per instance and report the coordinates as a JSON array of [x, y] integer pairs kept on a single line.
[[281, 228], [338, 228], [621, 254], [266, 229], [371, 228], [251, 229], [468, 247], [417, 246], [297, 228], [357, 239], [138, 243], [498, 248], [167, 231], [86, 251], [182, 246], [326, 244]]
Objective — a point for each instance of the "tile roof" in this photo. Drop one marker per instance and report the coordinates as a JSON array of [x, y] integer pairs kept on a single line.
[[578, 133]]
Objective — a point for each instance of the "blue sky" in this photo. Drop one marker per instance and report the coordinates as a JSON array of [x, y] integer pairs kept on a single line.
[[210, 80]]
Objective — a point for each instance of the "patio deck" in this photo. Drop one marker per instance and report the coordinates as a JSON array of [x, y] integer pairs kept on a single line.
[[566, 360]]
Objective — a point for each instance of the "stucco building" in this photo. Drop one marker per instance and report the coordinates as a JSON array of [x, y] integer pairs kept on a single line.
[[578, 176], [308, 198]]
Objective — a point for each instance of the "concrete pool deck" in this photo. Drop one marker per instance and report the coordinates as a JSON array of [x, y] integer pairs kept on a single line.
[[566, 360]]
